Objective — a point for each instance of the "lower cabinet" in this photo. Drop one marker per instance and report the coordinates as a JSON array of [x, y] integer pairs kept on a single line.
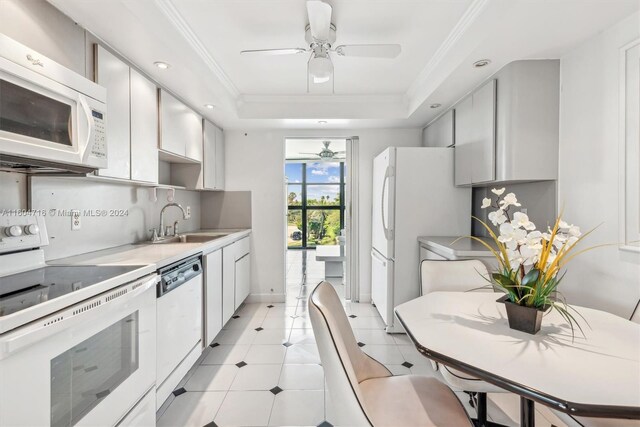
[[212, 296], [236, 276]]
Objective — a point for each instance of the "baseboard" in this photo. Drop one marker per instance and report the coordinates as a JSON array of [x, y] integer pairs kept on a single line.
[[253, 298]]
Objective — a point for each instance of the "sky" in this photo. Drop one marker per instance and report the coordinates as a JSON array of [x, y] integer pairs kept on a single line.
[[320, 172]]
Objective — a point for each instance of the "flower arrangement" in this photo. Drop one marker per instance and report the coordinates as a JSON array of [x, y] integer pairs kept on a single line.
[[530, 260]]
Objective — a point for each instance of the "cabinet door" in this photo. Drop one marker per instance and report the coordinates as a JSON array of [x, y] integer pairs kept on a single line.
[[441, 132], [243, 279], [172, 112], [219, 160], [113, 74], [209, 156], [228, 282], [464, 124], [484, 133], [212, 295], [193, 135], [144, 129]]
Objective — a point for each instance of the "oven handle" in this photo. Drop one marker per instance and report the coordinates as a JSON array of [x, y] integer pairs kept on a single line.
[[40, 330], [90, 125]]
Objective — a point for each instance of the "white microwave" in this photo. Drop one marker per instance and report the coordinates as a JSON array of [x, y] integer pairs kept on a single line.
[[51, 118]]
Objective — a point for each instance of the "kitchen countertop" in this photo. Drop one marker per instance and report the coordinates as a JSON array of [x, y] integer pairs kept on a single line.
[[464, 247], [154, 255]]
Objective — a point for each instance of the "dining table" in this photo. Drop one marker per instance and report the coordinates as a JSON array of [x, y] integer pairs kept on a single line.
[[590, 371]]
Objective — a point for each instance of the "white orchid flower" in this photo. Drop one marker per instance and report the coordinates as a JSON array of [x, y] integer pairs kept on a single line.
[[574, 231], [498, 217], [522, 220], [511, 236], [486, 202], [509, 200], [563, 225], [498, 192], [530, 254], [515, 258], [534, 239]]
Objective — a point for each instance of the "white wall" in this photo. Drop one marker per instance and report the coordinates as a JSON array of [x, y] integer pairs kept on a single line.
[[255, 162], [606, 278]]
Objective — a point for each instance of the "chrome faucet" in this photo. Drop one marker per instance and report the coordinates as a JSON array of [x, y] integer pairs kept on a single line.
[[163, 232]]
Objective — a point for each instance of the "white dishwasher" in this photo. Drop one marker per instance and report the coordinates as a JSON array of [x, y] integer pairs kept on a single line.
[[179, 321]]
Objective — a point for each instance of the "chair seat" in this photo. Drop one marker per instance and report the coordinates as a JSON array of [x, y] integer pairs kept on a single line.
[[412, 400], [463, 382]]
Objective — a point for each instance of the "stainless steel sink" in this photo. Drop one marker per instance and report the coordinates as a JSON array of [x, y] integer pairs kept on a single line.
[[190, 238]]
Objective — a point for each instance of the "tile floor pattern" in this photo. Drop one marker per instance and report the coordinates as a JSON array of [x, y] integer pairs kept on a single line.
[[263, 369]]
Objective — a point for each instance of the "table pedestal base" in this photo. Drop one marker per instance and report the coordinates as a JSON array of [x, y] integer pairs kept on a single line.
[[527, 412], [479, 402]]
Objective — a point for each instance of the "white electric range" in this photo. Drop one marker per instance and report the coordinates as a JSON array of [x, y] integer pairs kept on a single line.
[[77, 343]]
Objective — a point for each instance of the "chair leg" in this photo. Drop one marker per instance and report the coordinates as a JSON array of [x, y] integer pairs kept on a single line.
[[480, 404]]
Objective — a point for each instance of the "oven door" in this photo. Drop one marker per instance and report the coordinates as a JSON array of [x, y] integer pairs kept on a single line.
[[84, 366], [45, 120]]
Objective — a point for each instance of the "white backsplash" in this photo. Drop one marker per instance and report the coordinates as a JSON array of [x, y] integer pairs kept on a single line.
[[130, 213]]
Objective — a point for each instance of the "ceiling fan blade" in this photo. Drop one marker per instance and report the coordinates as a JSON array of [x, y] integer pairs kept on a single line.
[[369, 50], [311, 154], [285, 51], [319, 19]]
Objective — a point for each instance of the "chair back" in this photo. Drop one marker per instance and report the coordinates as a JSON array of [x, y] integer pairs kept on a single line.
[[635, 316], [345, 364], [453, 276]]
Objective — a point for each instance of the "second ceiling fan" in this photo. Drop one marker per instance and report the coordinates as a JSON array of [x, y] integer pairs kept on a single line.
[[320, 33]]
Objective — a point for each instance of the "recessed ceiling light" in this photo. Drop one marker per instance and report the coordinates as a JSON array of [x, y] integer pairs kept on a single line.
[[209, 106], [482, 63], [161, 65], [435, 105], [322, 122]]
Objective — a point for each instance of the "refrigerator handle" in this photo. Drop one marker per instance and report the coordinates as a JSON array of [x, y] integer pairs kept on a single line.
[[378, 258], [387, 232]]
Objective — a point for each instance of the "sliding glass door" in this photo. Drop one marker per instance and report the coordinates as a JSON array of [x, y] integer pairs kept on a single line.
[[315, 198]]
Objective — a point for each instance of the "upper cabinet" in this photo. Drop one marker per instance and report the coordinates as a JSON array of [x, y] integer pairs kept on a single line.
[[220, 169], [440, 133], [132, 125], [113, 74], [507, 130], [180, 129], [144, 129], [213, 165]]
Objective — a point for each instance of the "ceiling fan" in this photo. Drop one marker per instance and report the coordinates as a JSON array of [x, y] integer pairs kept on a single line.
[[320, 33], [326, 154]]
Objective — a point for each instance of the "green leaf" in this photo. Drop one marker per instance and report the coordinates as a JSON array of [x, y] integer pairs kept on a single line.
[[531, 276]]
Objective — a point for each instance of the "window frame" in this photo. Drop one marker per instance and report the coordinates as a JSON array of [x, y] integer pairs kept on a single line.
[[304, 206]]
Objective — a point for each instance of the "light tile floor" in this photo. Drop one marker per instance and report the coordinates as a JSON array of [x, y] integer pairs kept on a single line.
[[263, 369]]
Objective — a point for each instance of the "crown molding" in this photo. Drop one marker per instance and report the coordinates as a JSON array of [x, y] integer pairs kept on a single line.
[[475, 9], [169, 10]]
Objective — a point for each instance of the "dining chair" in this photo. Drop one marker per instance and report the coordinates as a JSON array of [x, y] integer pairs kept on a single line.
[[574, 421], [364, 389], [460, 276]]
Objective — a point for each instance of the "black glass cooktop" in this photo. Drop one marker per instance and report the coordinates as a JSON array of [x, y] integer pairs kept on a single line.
[[24, 290]]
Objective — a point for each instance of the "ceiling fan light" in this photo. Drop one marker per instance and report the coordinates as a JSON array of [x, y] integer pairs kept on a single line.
[[320, 69]]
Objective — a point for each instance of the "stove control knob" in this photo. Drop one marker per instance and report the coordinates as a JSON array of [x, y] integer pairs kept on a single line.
[[31, 229], [13, 231]]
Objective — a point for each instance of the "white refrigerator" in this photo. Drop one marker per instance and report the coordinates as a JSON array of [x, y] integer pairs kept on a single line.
[[413, 195]]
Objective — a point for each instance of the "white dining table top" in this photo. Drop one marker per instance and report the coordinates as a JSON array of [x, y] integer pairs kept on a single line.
[[471, 329]]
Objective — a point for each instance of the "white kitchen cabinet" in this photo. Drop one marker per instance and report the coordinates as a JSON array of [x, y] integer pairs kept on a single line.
[[236, 276], [508, 129], [484, 133], [212, 295], [464, 142], [113, 74], [220, 163], [243, 279], [180, 128], [440, 132], [144, 129]]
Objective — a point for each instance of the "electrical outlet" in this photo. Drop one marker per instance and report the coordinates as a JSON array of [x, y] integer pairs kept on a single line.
[[75, 220], [188, 211]]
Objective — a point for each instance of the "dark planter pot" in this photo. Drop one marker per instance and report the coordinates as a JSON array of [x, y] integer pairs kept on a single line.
[[521, 318]]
